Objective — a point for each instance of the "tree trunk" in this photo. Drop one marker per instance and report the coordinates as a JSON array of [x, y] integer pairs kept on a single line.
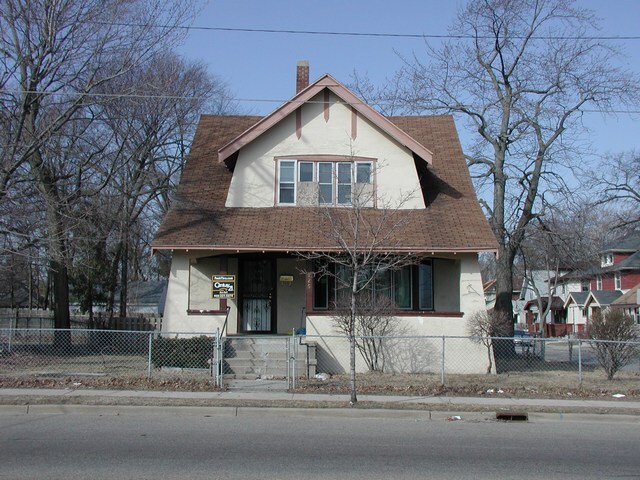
[[62, 319], [124, 279], [503, 350], [504, 287]]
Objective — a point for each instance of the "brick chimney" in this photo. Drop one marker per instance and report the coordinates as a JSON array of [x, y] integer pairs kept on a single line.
[[302, 76]]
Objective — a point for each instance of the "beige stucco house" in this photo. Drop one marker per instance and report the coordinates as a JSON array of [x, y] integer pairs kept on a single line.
[[251, 201]]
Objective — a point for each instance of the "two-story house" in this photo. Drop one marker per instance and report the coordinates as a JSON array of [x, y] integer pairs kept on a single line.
[[602, 286], [252, 201]]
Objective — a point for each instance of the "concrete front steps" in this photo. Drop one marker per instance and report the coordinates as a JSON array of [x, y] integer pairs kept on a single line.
[[266, 357]]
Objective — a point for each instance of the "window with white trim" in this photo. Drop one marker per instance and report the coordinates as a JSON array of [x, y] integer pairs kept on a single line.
[[606, 260], [286, 182], [599, 282], [617, 281], [307, 183]]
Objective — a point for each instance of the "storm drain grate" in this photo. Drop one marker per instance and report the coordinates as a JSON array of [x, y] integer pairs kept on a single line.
[[509, 416]]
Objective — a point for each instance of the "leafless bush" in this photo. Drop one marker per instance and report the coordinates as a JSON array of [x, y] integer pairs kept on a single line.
[[614, 339], [373, 322], [482, 326]]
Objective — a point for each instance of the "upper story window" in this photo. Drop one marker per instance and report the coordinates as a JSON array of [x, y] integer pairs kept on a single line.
[[607, 260], [617, 281], [340, 183], [599, 282]]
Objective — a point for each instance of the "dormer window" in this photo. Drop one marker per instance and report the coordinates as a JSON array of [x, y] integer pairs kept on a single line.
[[607, 260], [323, 182]]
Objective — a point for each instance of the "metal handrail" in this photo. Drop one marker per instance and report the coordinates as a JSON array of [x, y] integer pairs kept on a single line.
[[226, 319]]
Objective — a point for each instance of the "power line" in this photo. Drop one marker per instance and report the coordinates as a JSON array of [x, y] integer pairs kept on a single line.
[[231, 99], [371, 34]]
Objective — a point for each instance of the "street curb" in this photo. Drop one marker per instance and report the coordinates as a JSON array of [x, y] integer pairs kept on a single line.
[[347, 413]]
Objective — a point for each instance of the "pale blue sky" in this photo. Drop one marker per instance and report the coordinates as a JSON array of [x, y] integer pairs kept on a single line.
[[260, 67]]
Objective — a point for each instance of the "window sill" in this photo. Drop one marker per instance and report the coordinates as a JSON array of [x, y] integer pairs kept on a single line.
[[399, 313], [206, 312]]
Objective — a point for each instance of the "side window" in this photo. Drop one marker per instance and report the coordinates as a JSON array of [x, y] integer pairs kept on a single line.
[[287, 186]]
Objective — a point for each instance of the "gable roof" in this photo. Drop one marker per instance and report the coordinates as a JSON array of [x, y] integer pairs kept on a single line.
[[579, 298], [327, 82], [603, 297], [629, 243], [629, 299], [556, 303], [198, 219]]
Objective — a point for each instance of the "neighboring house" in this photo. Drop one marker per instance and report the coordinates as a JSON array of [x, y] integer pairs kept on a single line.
[[555, 321], [146, 297], [574, 305], [254, 194], [619, 265], [630, 303], [599, 300], [582, 292], [490, 293]]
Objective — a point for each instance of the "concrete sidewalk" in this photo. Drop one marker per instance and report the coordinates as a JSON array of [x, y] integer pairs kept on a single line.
[[281, 399]]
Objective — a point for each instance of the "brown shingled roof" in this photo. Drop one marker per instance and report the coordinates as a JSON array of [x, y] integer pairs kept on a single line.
[[198, 219]]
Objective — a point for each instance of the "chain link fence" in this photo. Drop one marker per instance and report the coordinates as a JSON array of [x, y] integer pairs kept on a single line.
[[524, 363]]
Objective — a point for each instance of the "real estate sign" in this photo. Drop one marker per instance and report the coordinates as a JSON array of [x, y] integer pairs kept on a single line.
[[223, 286]]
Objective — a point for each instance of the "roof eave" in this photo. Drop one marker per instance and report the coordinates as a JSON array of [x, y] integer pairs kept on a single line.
[[326, 81]]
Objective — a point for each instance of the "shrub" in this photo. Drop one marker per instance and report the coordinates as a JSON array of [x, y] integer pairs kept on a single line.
[[482, 325], [614, 336], [195, 352]]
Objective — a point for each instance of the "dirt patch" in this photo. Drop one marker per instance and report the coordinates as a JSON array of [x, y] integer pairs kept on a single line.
[[556, 385]]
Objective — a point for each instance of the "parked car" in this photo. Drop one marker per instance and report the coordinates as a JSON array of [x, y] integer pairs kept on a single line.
[[522, 338]]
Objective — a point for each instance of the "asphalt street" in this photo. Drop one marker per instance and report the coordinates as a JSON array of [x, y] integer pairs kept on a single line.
[[281, 444]]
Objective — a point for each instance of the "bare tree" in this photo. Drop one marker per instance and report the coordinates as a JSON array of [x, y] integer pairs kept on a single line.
[[483, 326], [614, 339], [364, 250], [56, 56], [619, 184], [521, 73], [150, 129]]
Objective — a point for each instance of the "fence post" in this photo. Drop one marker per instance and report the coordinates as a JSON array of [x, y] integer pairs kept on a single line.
[[579, 361], [149, 352], [443, 358], [293, 357]]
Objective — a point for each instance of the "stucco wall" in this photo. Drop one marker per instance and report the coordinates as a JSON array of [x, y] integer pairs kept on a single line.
[[419, 354], [253, 182], [176, 317], [291, 298]]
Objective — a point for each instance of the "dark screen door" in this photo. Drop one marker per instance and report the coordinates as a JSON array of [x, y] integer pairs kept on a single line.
[[257, 293]]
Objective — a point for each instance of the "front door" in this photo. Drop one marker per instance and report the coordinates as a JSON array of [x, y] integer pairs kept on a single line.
[[257, 296]]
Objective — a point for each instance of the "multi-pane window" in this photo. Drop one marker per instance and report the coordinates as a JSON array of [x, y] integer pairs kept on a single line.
[[406, 288], [334, 181], [618, 281]]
